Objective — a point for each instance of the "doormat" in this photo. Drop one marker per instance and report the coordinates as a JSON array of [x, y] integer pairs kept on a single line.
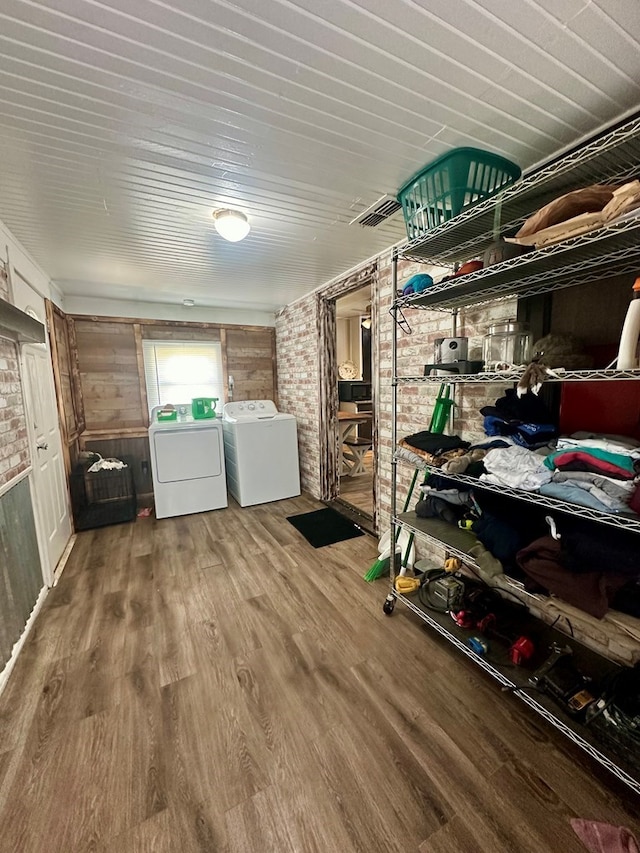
[[324, 527]]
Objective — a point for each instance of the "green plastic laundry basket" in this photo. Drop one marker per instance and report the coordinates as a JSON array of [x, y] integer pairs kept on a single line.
[[457, 179]]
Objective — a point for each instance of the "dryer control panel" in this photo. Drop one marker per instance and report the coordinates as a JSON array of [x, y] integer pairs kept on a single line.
[[250, 410]]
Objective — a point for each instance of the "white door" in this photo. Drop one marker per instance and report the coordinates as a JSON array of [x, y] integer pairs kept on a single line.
[[51, 496]]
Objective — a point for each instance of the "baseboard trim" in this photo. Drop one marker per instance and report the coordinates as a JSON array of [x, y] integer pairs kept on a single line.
[[62, 562], [17, 647]]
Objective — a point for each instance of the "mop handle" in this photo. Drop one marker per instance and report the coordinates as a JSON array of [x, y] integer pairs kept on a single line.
[[408, 500]]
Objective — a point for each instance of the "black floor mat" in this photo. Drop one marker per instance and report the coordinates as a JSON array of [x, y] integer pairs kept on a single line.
[[324, 527]]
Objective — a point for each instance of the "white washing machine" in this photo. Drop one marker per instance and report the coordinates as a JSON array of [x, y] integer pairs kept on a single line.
[[261, 452], [187, 463]]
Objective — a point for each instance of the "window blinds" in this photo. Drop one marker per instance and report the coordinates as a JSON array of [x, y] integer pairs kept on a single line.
[[177, 371]]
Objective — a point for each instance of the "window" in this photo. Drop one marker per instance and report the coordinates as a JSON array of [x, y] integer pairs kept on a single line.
[[177, 371]]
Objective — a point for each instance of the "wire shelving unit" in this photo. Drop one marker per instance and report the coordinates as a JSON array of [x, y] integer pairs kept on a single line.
[[610, 250]]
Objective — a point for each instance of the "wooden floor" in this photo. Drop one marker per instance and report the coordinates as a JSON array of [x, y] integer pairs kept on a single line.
[[358, 491], [213, 683]]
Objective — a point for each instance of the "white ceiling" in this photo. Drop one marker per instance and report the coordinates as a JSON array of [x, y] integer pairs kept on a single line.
[[124, 123]]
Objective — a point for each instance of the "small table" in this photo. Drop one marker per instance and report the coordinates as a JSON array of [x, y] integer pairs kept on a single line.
[[347, 423]]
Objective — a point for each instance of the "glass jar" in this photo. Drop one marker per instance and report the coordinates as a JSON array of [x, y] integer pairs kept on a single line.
[[507, 344]]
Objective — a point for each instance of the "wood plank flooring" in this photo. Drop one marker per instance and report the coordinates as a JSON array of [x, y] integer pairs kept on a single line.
[[358, 491], [212, 683]]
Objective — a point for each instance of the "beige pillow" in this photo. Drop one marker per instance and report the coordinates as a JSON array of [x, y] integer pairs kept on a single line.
[[587, 200]]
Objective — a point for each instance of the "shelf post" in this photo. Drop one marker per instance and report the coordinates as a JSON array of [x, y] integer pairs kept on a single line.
[[394, 409]]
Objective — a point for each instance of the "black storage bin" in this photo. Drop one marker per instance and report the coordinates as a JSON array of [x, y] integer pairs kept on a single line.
[[103, 497]]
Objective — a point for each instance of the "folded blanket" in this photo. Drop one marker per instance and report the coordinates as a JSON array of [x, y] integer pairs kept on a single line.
[[572, 493], [435, 443], [618, 465], [542, 562], [598, 444], [427, 458], [403, 452], [515, 467], [617, 489]]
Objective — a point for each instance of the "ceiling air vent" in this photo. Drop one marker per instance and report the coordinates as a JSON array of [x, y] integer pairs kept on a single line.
[[378, 212]]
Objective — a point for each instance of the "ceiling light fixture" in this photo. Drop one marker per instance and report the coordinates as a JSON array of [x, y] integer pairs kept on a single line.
[[366, 323], [232, 225], [188, 303]]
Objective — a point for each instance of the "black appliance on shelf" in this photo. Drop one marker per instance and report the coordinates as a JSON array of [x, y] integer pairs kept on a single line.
[[353, 391]]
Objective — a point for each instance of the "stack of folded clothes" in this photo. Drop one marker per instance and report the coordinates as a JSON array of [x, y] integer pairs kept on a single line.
[[444, 499], [525, 420], [434, 448], [590, 568], [517, 468], [594, 470]]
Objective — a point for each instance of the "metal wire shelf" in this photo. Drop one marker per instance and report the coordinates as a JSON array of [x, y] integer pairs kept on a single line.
[[627, 522], [612, 250], [613, 156], [441, 533], [521, 691], [506, 376]]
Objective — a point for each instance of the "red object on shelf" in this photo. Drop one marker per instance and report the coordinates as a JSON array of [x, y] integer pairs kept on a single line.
[[606, 407], [522, 650]]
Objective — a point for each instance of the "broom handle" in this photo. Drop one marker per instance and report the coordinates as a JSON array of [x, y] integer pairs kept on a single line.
[[436, 406], [406, 553], [408, 500]]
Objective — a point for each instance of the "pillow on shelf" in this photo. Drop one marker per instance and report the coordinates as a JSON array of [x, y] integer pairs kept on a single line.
[[587, 200]]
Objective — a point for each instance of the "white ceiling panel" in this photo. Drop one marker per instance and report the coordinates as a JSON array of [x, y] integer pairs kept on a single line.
[[124, 125]]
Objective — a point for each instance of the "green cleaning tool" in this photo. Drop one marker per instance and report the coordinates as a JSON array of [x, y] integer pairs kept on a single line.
[[382, 565], [441, 408]]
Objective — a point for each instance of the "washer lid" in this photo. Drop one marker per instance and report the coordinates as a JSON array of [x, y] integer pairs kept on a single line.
[[251, 410]]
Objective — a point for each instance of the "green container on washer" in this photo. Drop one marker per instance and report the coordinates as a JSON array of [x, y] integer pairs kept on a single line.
[[203, 407]]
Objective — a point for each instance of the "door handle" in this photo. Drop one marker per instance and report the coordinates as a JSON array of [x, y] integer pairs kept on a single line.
[[43, 446]]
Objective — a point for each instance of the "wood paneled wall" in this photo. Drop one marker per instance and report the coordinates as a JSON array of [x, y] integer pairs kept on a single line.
[[251, 361], [109, 375], [99, 373], [64, 355]]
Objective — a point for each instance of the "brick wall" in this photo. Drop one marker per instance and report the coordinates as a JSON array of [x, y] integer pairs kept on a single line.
[[14, 447], [298, 388], [298, 380], [415, 402]]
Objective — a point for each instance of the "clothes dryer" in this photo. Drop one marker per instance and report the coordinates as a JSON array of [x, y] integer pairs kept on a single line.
[[187, 463], [261, 452]]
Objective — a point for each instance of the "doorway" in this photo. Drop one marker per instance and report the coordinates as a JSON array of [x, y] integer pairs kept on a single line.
[[48, 477], [355, 401], [51, 504]]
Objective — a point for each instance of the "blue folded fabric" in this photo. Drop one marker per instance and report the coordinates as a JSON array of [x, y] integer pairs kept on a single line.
[[573, 494], [525, 434]]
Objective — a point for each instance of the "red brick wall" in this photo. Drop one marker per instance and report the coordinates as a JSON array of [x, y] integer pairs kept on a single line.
[[415, 402], [298, 357], [298, 389], [14, 447]]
